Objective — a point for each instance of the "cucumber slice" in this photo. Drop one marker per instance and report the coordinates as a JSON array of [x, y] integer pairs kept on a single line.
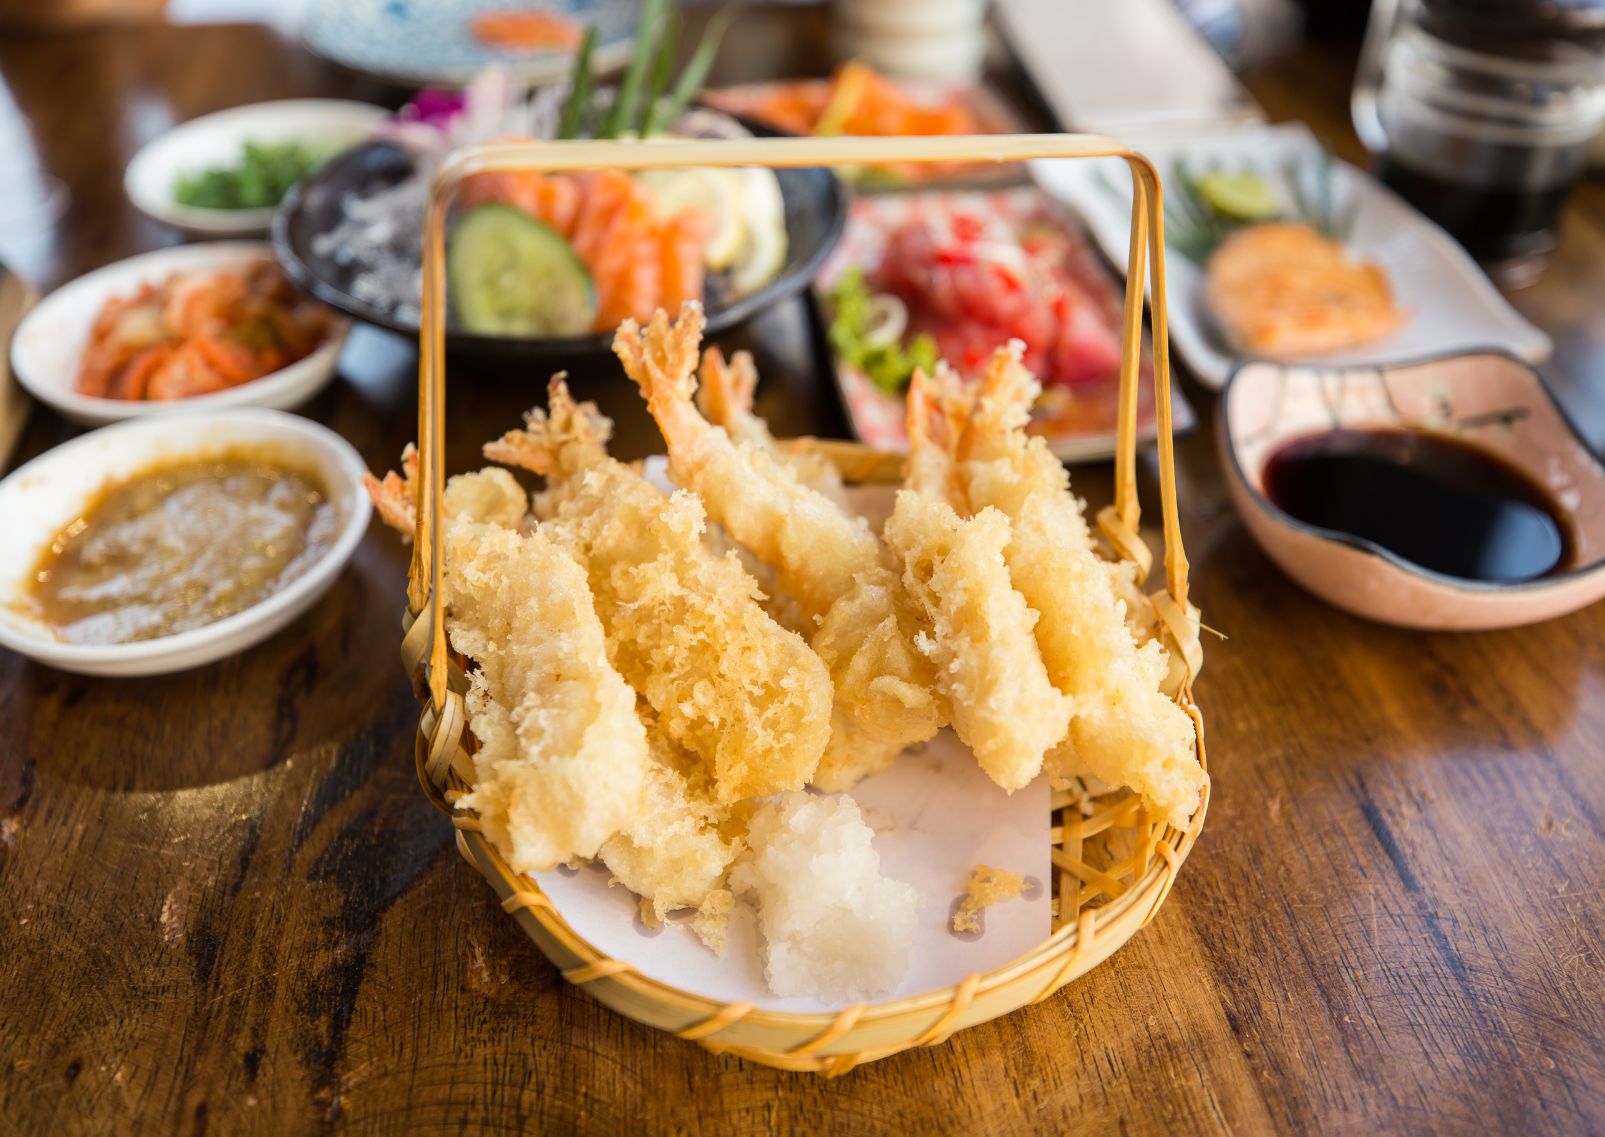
[[512, 275]]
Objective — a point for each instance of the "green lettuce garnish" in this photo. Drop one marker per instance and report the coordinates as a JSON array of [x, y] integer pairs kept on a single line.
[[889, 363]]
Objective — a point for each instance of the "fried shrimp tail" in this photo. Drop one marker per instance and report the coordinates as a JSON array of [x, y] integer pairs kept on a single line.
[[726, 391], [1123, 729], [395, 496], [724, 396], [937, 413], [683, 626], [817, 550], [559, 442]]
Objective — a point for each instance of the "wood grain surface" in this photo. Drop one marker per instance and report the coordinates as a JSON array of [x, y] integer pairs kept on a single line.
[[226, 908]]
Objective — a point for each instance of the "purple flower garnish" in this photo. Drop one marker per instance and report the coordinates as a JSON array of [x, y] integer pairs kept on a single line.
[[435, 107]]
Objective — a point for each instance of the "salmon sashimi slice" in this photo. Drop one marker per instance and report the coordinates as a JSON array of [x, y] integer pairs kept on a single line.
[[601, 195], [683, 242], [1284, 289], [558, 202], [620, 289]]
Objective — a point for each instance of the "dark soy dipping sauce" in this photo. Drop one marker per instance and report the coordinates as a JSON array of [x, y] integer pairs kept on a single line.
[[1438, 502]]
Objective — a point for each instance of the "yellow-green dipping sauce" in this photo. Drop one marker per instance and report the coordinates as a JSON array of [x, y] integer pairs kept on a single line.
[[181, 546]]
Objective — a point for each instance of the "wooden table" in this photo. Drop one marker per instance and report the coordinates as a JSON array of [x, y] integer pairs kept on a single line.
[[227, 907]]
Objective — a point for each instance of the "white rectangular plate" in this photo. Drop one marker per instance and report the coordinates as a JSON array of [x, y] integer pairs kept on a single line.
[[1086, 431], [1451, 304]]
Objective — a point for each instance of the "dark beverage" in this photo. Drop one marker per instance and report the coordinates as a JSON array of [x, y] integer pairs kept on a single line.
[[1435, 501], [1483, 112], [1494, 223]]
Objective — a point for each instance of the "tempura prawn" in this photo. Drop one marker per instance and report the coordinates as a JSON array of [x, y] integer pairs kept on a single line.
[[977, 627], [1124, 730], [684, 626], [724, 396], [562, 755], [817, 549], [829, 561]]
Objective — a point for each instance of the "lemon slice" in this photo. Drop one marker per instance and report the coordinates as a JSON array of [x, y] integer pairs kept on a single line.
[[1242, 196], [714, 192], [764, 212]]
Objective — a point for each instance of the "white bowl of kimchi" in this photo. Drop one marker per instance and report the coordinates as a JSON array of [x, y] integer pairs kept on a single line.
[[48, 350]]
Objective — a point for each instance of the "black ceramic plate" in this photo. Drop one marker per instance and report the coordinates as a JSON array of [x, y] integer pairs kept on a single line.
[[816, 210]]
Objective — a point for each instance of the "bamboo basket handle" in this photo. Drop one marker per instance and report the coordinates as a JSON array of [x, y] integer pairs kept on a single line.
[[1176, 567], [1147, 234]]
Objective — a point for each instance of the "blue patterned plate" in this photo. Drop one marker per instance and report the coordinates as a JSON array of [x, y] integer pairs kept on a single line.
[[429, 42]]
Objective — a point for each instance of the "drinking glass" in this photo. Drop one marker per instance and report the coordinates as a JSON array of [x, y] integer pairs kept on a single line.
[[1481, 113]]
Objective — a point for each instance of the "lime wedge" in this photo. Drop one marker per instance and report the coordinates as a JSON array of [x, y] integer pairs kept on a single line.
[[1242, 195]]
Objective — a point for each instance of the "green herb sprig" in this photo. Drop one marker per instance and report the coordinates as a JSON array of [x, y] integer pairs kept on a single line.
[[651, 63]]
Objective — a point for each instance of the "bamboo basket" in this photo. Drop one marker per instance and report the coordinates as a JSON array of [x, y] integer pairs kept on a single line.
[[1113, 865]]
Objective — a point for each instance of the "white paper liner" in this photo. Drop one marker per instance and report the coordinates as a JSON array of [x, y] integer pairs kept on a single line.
[[935, 815]]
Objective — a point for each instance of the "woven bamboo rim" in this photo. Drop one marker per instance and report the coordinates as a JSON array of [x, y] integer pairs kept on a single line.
[[1102, 897]]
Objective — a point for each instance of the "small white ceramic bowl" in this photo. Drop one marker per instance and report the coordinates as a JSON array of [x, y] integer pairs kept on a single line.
[[944, 40], [214, 140], [41, 498], [50, 341], [1489, 399]]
